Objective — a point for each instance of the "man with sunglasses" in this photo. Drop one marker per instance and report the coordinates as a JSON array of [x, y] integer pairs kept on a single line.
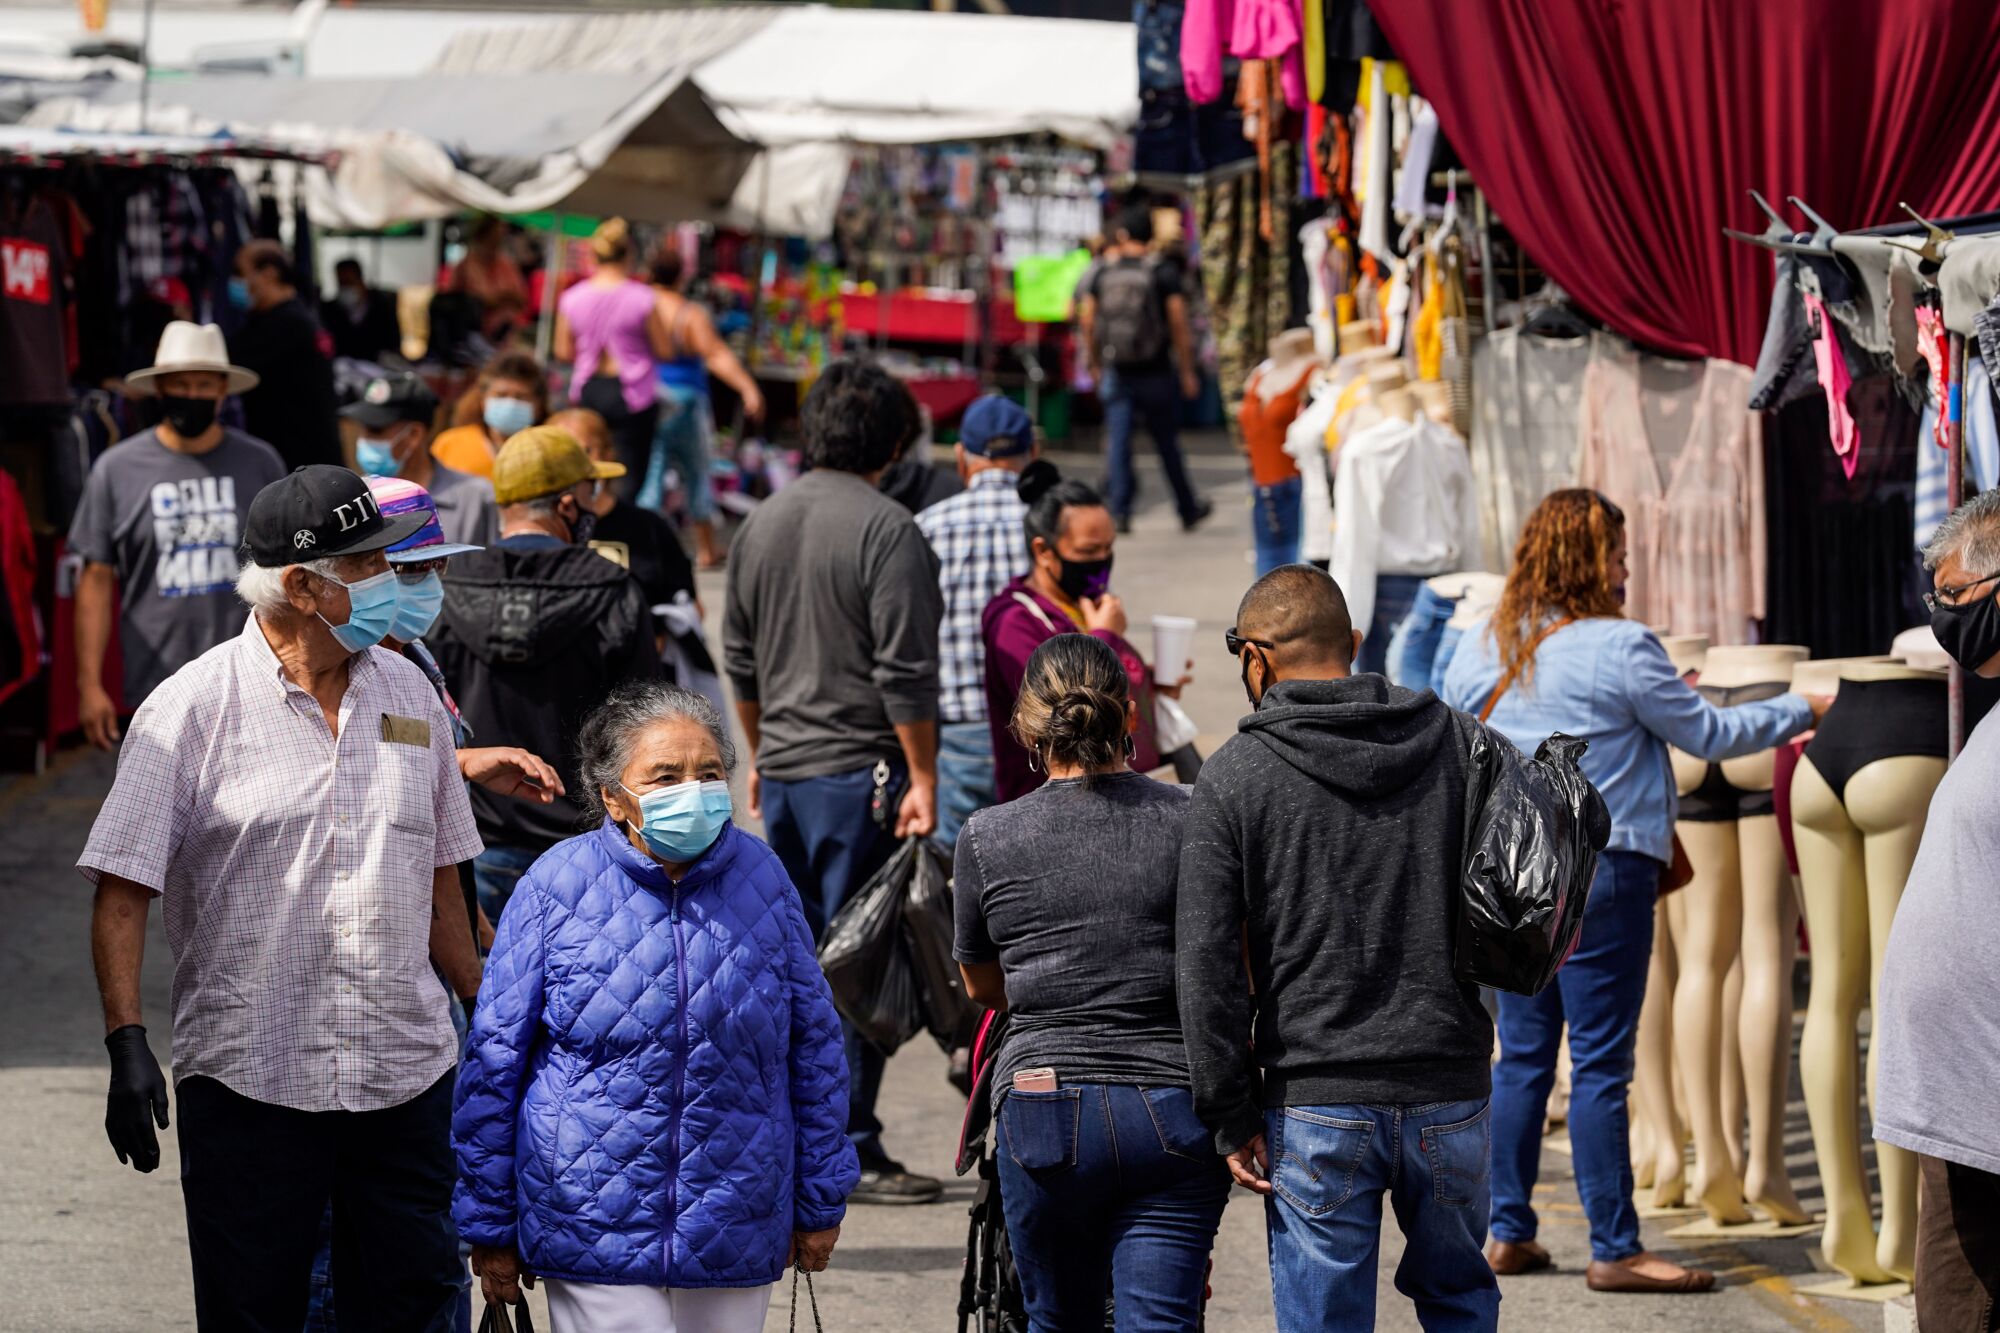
[[1323, 848], [534, 632], [1939, 1044]]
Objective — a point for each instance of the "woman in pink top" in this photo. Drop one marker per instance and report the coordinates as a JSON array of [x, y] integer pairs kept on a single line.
[[609, 330]]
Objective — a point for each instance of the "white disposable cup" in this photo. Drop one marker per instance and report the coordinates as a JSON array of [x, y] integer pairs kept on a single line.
[[1173, 640]]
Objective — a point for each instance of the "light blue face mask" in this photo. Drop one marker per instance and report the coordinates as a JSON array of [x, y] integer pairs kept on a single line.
[[418, 602], [681, 822], [239, 293], [509, 416], [371, 609], [377, 458]]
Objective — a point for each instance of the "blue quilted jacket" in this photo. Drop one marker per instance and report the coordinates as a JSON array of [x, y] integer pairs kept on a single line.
[[654, 1091]]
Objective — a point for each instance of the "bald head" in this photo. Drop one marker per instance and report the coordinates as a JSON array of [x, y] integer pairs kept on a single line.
[[1301, 610], [589, 429]]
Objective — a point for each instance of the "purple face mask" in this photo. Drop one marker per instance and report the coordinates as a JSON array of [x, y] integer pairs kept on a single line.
[[1086, 580]]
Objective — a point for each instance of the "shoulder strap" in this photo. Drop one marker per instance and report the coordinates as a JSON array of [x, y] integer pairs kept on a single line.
[[1035, 608], [1507, 680]]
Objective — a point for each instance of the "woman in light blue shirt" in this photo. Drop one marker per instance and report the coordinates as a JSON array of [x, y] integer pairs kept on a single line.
[[1561, 657]]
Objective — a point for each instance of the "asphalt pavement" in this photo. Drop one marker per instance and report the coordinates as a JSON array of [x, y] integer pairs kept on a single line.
[[87, 1245]]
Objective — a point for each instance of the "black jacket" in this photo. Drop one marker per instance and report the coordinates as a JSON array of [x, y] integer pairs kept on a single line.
[[530, 641], [1332, 826]]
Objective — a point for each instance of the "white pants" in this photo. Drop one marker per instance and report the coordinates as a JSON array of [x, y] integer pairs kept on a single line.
[[587, 1307]]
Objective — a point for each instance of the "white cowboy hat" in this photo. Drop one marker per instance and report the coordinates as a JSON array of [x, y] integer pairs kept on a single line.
[[186, 346]]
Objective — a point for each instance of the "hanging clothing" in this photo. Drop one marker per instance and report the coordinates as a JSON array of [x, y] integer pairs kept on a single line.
[[1524, 433], [1403, 504], [1670, 443], [1249, 30], [34, 304], [1831, 368], [1415, 180], [1265, 422], [1427, 331]]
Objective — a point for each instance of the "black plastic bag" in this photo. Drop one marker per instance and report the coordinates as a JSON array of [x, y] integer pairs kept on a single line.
[[496, 1319], [1533, 830], [866, 958], [927, 915]]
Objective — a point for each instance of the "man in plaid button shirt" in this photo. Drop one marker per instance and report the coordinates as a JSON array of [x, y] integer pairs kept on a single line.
[[981, 544]]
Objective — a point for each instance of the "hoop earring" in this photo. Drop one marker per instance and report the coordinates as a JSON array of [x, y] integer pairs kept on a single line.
[[1131, 748], [1033, 756]]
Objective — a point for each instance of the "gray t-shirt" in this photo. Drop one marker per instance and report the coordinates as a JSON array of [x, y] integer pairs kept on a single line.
[[1938, 1028], [169, 523], [465, 506], [1071, 890]]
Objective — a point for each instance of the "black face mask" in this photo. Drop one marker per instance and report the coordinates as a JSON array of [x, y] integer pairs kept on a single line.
[[188, 416], [1970, 633], [1082, 579], [582, 526]]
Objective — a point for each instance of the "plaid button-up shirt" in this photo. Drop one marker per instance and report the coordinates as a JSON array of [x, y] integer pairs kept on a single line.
[[295, 871], [980, 542]]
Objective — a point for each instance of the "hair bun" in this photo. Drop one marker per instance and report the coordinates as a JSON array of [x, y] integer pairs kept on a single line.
[[1037, 479]]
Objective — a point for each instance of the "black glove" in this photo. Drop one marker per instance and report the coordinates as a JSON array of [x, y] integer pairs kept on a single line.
[[138, 1098]]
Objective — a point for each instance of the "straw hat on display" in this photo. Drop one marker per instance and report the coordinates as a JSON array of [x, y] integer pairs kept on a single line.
[[186, 347]]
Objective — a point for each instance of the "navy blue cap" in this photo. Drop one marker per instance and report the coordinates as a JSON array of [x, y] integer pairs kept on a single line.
[[997, 427]]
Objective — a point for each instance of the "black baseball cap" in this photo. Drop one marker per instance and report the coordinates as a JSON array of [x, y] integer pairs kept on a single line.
[[388, 399], [319, 511]]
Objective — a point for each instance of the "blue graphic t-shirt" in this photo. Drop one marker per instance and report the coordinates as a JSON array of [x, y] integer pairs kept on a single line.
[[170, 523]]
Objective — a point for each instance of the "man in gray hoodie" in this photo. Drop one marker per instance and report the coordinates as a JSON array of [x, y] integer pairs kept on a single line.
[[1324, 846]]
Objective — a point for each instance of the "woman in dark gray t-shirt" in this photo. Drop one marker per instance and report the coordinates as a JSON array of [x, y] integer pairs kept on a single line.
[[1065, 906]]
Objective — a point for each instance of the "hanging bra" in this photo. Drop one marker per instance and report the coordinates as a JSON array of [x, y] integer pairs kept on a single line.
[[1879, 719], [1716, 799]]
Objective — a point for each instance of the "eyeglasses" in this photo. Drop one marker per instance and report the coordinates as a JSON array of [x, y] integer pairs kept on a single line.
[[1235, 642], [1948, 597], [415, 573]]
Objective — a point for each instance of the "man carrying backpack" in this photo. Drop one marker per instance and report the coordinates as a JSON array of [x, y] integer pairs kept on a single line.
[[1136, 334]]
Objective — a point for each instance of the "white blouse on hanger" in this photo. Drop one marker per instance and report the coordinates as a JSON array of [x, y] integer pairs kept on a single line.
[[1402, 504], [1529, 391]]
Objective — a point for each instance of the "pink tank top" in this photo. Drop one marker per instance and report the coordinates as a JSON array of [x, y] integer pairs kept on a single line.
[[612, 319]]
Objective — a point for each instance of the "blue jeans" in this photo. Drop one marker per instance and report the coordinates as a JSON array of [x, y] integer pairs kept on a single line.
[[1395, 594], [495, 872], [965, 777], [1274, 525], [1153, 397], [1598, 992], [1109, 1187], [1331, 1165], [829, 844], [1414, 647]]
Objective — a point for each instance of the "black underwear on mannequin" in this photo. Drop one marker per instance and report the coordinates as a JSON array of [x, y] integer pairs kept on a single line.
[[1717, 800], [1879, 719]]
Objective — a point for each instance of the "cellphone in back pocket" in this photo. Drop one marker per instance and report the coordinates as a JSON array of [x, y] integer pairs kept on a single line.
[[1035, 1080]]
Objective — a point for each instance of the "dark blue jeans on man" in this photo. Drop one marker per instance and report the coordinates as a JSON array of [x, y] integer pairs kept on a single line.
[[1109, 1188], [257, 1180], [495, 872], [824, 832], [1154, 398], [1598, 993], [965, 777], [1330, 1167], [1274, 524]]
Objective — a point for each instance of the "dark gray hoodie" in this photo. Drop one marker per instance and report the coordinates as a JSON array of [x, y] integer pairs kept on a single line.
[[1327, 835]]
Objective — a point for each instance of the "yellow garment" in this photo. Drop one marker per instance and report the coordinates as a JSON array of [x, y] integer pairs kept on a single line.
[[1427, 335], [465, 449], [1395, 76], [1355, 394], [1315, 52]]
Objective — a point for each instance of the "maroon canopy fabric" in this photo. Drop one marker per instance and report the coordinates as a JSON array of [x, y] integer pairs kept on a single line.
[[1616, 138]]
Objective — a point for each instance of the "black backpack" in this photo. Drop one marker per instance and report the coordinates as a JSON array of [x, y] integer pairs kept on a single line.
[[1131, 317]]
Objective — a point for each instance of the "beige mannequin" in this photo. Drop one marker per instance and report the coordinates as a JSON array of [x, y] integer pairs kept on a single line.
[[1293, 357], [1855, 851], [1389, 387], [1741, 888], [1659, 1133], [1357, 334]]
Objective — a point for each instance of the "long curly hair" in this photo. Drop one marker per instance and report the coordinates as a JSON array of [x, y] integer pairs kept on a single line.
[[1562, 567]]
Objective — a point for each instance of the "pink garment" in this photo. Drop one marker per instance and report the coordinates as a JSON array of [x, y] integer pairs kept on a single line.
[[1251, 30], [1671, 444], [1834, 379], [607, 318], [1935, 344]]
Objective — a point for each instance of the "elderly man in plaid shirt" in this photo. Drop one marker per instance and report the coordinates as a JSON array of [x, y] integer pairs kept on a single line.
[[293, 799], [981, 545]]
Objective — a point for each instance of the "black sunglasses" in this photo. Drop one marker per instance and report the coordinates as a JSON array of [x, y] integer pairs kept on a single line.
[[1235, 642]]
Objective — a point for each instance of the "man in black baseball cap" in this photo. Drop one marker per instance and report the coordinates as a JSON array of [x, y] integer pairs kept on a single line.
[[395, 415]]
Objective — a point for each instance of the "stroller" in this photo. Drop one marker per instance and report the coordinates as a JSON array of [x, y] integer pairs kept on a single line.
[[989, 1292]]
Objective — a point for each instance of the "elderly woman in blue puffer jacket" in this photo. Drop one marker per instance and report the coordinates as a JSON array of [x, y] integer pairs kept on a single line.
[[652, 1108]]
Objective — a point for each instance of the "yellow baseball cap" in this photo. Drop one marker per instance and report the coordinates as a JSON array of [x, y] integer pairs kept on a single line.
[[543, 460]]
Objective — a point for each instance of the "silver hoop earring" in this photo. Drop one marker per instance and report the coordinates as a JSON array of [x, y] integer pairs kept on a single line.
[[1033, 756], [1131, 748]]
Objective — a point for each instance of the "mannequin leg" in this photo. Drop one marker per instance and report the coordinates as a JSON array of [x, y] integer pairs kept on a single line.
[[1888, 801], [1732, 1065], [1713, 925], [1764, 1013], [1654, 1084], [1832, 874]]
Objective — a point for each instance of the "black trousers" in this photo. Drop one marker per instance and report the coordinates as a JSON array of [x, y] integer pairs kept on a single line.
[[1958, 1248], [257, 1178], [631, 432]]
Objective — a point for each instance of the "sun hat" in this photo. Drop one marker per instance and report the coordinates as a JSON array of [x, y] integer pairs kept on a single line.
[[543, 460], [394, 497], [185, 347]]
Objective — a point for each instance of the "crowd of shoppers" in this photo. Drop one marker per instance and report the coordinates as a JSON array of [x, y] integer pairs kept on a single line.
[[442, 731]]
